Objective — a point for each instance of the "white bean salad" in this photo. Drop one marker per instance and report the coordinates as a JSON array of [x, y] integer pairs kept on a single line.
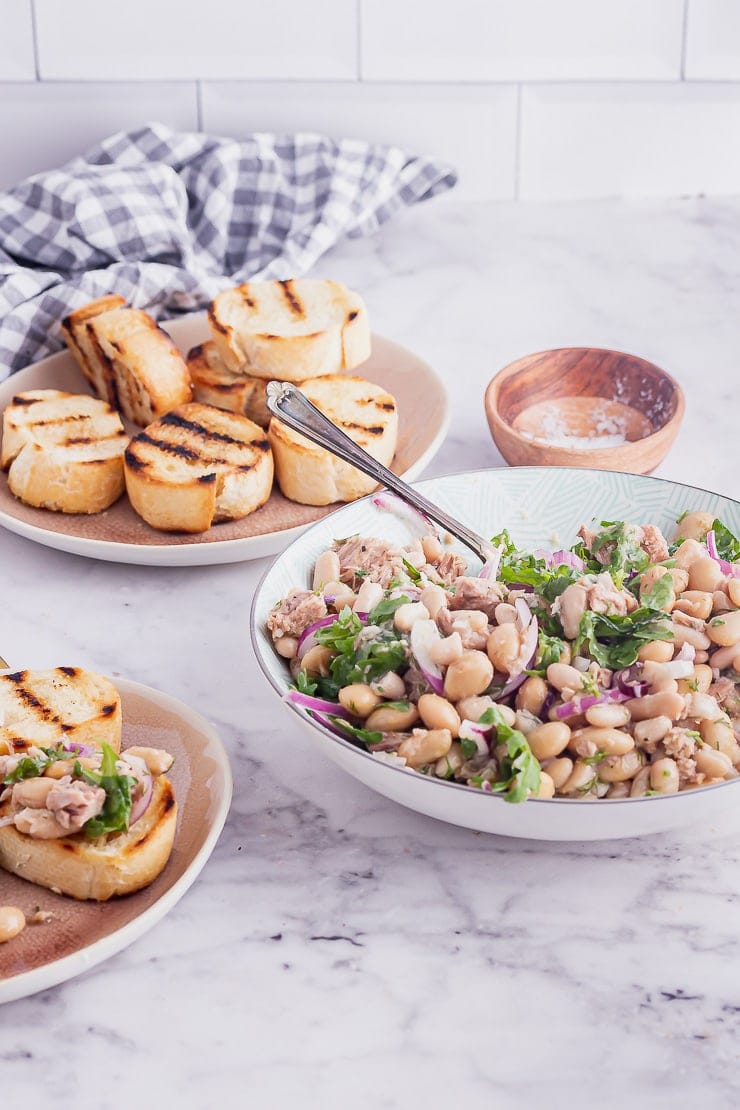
[[609, 670]]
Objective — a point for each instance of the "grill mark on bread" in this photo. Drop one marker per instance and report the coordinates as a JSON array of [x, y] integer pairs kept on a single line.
[[174, 420], [294, 302], [372, 430], [19, 400], [216, 323], [352, 316], [70, 672], [178, 449]]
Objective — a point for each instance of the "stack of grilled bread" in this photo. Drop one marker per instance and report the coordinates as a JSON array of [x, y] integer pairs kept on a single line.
[[308, 332], [198, 462], [77, 814]]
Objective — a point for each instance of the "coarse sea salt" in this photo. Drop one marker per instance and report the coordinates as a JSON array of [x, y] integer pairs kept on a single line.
[[580, 443], [608, 431]]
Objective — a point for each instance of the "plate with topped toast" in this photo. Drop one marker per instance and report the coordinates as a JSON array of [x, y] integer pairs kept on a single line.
[[152, 444], [112, 798]]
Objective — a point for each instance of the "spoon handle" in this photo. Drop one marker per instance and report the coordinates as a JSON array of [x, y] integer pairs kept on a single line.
[[291, 406]]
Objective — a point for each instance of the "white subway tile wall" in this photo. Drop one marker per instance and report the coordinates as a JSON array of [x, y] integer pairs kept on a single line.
[[713, 40], [521, 40], [527, 98], [17, 61]]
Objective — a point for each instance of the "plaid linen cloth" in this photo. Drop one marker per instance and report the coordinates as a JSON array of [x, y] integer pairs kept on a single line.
[[168, 219]]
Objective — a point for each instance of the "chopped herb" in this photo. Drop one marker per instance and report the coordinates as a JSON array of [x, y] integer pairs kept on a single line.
[[469, 748], [368, 737], [116, 812], [412, 572], [683, 516], [592, 759], [386, 608], [401, 706], [31, 767], [660, 594], [304, 684], [357, 659], [728, 545]]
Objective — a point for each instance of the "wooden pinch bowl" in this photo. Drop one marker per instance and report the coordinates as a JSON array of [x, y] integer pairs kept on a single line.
[[553, 408]]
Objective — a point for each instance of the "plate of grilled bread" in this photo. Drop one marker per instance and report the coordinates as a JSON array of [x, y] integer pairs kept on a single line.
[[150, 444], [112, 798]]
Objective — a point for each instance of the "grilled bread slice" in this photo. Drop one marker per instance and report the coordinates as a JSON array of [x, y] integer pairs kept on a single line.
[[128, 359], [215, 384], [292, 330], [66, 704], [112, 865], [63, 451], [197, 466], [311, 475]]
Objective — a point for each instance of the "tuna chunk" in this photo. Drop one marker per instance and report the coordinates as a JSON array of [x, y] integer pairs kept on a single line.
[[682, 747], [654, 543], [595, 592], [293, 615], [363, 557], [476, 593], [450, 567], [73, 802]]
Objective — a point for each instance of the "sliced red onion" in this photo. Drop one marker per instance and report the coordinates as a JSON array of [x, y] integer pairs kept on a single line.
[[141, 805], [310, 630], [470, 730], [581, 663], [82, 751], [545, 556], [568, 558], [324, 720], [724, 566], [529, 651], [424, 634], [580, 705], [688, 651], [390, 503], [523, 612], [413, 593], [629, 682], [308, 701], [491, 565], [486, 787], [6, 821]]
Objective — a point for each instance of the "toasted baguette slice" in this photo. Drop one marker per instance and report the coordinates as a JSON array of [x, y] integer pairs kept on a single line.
[[215, 384], [292, 330], [128, 359], [96, 870], [63, 451], [67, 704], [197, 466], [311, 475]]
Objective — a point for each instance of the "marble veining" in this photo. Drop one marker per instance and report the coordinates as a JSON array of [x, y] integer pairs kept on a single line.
[[339, 951]]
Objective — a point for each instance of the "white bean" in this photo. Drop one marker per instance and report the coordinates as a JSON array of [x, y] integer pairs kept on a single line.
[[369, 595], [435, 598], [326, 569], [446, 650], [608, 716], [407, 615], [664, 776]]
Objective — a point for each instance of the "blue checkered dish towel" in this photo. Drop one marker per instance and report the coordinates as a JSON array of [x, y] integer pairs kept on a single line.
[[168, 219]]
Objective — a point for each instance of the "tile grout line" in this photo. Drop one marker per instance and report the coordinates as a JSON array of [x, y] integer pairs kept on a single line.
[[35, 38], [684, 38]]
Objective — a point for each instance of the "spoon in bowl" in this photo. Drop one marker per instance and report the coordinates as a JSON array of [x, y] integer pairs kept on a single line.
[[292, 407]]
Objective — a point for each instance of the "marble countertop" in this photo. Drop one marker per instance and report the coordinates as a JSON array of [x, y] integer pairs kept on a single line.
[[338, 950]]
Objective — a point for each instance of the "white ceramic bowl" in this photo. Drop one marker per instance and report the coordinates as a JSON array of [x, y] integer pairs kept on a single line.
[[541, 507]]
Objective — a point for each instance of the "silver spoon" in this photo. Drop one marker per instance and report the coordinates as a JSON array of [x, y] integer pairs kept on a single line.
[[291, 406], [3, 665]]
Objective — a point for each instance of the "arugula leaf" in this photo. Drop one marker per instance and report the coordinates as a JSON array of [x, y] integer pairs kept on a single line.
[[368, 737], [728, 545], [519, 769], [659, 594], [386, 608], [503, 540], [116, 812], [614, 641], [625, 553]]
